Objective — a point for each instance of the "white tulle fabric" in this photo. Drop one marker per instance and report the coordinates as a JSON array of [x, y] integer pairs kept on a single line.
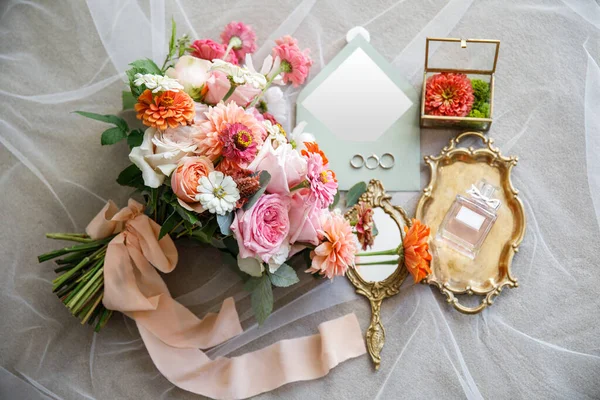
[[541, 340]]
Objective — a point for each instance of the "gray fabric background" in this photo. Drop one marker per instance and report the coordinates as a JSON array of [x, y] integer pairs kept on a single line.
[[541, 340]]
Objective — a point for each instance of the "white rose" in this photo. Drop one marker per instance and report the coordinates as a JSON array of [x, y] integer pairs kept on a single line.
[[191, 72], [160, 152]]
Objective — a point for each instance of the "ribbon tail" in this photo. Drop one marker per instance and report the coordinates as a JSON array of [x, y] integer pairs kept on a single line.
[[257, 372]]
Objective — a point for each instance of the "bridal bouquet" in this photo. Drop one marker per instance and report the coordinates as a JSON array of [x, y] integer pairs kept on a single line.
[[212, 163]]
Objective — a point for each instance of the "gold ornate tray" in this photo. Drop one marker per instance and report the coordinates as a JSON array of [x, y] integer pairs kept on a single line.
[[453, 170]]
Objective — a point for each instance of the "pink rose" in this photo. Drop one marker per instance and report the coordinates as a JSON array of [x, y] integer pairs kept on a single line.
[[185, 178], [263, 229], [218, 85], [305, 220], [207, 49], [285, 165]]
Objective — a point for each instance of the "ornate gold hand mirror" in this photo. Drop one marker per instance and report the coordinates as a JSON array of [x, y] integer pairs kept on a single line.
[[376, 278]]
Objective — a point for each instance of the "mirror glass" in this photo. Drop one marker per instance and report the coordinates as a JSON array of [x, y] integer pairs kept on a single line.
[[388, 237]]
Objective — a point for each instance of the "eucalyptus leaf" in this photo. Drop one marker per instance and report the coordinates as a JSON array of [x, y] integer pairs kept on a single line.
[[264, 180], [112, 136], [109, 119], [284, 276], [170, 223], [224, 222], [131, 176], [354, 193], [261, 297], [336, 200]]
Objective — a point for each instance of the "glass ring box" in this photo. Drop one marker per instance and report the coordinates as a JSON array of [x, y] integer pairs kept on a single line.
[[458, 83]]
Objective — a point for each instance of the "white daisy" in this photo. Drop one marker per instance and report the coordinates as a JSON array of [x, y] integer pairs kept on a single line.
[[274, 103], [275, 133], [240, 75], [269, 67], [217, 193], [157, 83], [298, 137]]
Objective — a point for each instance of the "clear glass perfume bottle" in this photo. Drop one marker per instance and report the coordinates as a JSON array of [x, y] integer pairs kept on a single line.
[[470, 219]]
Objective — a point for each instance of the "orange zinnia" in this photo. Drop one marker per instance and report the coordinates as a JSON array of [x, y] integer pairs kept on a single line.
[[416, 250], [313, 147], [168, 109]]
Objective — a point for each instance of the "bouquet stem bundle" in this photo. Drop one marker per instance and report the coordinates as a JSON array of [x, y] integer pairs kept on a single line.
[[80, 285]]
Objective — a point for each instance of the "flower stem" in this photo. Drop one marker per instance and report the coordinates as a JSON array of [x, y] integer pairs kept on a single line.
[[391, 252], [71, 237], [228, 50], [386, 262], [269, 82], [230, 92], [301, 185]]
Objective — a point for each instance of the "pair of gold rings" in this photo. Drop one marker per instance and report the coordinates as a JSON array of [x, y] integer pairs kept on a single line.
[[387, 161]]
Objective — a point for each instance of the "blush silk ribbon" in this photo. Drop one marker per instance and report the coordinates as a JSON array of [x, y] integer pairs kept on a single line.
[[174, 336]]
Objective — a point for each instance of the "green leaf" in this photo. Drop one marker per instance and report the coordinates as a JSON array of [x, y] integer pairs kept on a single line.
[[135, 138], [110, 119], [262, 297], [187, 215], [170, 223], [354, 193], [336, 200], [131, 176], [147, 65], [284, 276], [232, 245], [206, 233], [264, 180], [112, 136], [129, 100], [172, 41], [224, 222], [136, 91]]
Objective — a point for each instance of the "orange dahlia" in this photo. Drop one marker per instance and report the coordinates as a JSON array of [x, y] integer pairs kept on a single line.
[[416, 250], [167, 109]]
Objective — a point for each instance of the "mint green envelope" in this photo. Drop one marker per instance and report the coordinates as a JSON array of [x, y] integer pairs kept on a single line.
[[359, 104]]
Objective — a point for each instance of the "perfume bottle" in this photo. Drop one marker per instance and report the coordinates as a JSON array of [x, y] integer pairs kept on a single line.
[[470, 219]]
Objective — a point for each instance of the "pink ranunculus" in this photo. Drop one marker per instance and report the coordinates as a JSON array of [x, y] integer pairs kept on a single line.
[[286, 167], [185, 178], [207, 49], [263, 229], [305, 220], [295, 63], [218, 85]]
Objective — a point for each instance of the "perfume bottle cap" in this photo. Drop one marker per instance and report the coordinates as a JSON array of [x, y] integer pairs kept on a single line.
[[483, 192], [486, 189]]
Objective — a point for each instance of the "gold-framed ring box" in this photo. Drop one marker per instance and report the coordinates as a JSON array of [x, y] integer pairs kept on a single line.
[[477, 58], [376, 291], [453, 171]]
